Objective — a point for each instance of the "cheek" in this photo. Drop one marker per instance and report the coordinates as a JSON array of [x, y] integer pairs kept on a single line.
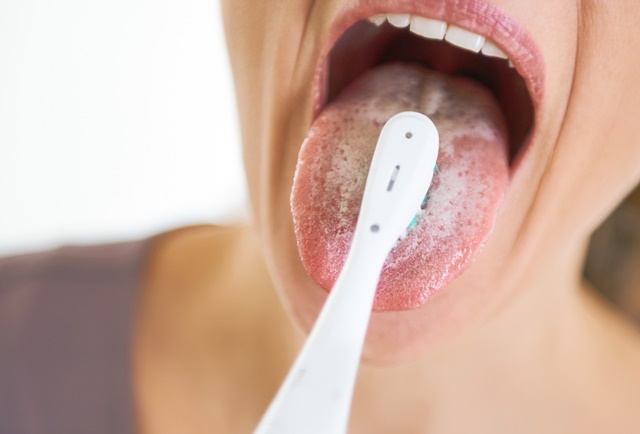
[[600, 167], [265, 41], [597, 157], [398, 337]]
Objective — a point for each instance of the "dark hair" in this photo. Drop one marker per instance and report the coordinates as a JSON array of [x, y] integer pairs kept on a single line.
[[613, 260]]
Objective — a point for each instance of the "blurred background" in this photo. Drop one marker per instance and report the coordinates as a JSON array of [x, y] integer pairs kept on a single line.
[[117, 121]]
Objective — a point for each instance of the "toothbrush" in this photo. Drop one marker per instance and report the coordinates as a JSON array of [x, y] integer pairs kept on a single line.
[[315, 397]]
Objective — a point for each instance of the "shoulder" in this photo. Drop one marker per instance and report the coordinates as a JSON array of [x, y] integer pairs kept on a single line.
[[195, 267], [195, 252], [207, 308]]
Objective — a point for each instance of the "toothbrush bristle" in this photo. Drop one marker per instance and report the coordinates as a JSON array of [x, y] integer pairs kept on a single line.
[[414, 221]]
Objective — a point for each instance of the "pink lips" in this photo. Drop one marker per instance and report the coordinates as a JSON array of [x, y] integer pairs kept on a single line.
[[474, 172]]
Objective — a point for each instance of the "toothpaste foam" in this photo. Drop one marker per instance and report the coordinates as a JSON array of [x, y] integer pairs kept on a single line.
[[464, 197]]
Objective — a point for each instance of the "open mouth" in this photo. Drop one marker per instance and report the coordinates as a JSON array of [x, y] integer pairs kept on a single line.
[[483, 105], [445, 48]]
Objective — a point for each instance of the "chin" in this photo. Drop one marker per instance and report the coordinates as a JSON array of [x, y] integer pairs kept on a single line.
[[402, 336]]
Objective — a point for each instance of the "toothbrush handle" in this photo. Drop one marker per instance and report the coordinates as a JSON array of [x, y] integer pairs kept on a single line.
[[315, 398]]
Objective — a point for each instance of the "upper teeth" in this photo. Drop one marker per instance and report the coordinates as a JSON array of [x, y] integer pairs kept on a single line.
[[436, 29]]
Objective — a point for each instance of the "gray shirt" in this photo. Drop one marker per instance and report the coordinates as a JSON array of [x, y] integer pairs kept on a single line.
[[65, 339]]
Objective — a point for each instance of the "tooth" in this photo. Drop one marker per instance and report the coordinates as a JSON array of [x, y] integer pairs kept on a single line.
[[378, 19], [464, 38], [428, 28], [511, 64], [399, 20], [490, 49]]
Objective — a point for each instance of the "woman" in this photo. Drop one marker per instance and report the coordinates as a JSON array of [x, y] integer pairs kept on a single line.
[[507, 338]]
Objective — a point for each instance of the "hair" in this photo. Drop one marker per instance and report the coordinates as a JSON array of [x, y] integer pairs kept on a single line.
[[613, 259]]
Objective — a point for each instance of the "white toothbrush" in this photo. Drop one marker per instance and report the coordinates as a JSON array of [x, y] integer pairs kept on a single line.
[[315, 398]]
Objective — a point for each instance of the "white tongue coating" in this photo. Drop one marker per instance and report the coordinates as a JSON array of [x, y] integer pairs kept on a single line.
[[463, 200]]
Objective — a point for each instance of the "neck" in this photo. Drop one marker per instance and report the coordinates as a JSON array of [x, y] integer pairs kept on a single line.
[[204, 321], [543, 344]]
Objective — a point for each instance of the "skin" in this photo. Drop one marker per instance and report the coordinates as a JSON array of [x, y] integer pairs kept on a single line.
[[518, 343]]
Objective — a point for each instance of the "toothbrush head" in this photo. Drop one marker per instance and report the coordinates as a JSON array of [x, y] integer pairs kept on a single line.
[[397, 182]]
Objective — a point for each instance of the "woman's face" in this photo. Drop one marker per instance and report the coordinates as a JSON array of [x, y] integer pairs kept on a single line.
[[531, 160]]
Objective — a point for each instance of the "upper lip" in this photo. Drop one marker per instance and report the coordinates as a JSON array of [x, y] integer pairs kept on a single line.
[[477, 16]]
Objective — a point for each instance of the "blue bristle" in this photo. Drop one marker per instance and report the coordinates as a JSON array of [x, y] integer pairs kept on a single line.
[[413, 222], [424, 201]]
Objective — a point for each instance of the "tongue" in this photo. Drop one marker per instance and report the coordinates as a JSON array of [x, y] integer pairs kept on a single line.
[[463, 200]]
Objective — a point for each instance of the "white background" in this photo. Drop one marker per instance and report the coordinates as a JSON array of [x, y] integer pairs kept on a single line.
[[117, 121]]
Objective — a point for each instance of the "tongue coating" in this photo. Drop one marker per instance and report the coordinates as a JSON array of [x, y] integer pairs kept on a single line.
[[463, 200]]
